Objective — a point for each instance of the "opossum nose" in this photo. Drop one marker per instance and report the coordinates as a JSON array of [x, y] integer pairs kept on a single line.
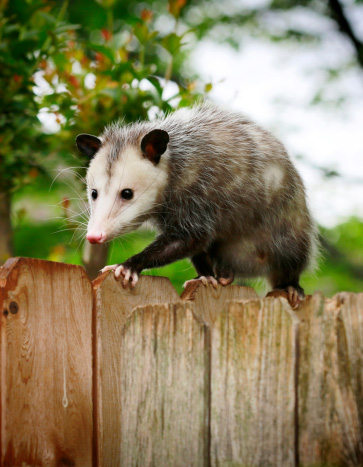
[[96, 237]]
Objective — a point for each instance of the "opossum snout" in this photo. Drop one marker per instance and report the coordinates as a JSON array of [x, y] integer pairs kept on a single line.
[[96, 237]]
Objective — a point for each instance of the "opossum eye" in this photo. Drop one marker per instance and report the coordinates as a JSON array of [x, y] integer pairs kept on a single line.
[[94, 194], [127, 193]]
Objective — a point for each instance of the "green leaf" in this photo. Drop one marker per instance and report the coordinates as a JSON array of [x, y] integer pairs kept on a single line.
[[156, 83], [106, 51], [67, 27], [11, 28], [47, 17], [141, 31], [171, 42], [60, 60]]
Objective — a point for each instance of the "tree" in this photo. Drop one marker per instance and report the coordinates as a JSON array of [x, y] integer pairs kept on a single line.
[[29, 35], [278, 20], [95, 74]]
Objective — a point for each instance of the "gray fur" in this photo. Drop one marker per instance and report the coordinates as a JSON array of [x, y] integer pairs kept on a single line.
[[231, 185]]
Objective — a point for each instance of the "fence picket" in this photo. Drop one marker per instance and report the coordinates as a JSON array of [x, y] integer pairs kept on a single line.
[[254, 351], [164, 387], [331, 381], [113, 306], [46, 364]]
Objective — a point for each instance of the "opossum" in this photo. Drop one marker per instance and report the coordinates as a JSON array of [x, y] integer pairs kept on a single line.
[[217, 187]]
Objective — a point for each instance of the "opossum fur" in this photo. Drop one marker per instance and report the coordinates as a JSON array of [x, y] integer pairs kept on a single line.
[[219, 188]]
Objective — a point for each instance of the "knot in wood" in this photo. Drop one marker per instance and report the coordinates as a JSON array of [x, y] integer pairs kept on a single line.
[[14, 308]]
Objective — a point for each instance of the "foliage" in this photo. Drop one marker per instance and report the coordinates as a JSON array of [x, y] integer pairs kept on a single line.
[[89, 75], [114, 72], [80, 71], [29, 35]]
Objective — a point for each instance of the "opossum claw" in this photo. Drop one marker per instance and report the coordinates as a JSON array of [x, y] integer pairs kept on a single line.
[[294, 296], [212, 281], [109, 268], [128, 277], [118, 271], [204, 279], [134, 279]]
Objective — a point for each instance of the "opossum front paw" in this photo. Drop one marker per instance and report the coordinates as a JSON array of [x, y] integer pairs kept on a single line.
[[295, 295], [127, 275], [204, 279]]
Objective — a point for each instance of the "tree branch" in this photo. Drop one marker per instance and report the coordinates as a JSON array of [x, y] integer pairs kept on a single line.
[[341, 19]]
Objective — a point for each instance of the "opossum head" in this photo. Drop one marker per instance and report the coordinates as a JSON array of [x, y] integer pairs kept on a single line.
[[125, 182]]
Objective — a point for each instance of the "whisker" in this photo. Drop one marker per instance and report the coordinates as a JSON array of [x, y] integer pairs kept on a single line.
[[80, 243], [63, 230], [75, 230], [80, 236], [61, 172]]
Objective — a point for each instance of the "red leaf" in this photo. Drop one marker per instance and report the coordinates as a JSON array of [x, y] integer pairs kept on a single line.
[[106, 34]]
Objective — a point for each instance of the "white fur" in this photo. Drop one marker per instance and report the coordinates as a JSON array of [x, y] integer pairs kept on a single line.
[[272, 177], [112, 214]]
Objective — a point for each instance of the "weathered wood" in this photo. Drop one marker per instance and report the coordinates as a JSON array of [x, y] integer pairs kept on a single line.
[[210, 301], [221, 378], [331, 381], [164, 388], [113, 305], [46, 364], [253, 373]]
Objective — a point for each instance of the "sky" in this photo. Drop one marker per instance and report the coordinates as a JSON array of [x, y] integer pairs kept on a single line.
[[274, 83]]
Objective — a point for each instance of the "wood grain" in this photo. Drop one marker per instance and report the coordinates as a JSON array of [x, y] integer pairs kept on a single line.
[[209, 301], [112, 306], [221, 378], [46, 364], [331, 381], [164, 388], [253, 373]]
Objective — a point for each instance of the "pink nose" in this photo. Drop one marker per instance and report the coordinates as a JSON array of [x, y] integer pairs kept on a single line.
[[96, 237]]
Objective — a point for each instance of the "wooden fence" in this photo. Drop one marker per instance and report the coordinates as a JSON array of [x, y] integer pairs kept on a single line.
[[95, 375]]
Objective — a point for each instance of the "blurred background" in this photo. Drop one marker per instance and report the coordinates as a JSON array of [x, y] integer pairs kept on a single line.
[[295, 67]]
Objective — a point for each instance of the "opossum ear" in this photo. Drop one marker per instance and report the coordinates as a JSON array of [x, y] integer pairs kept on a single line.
[[88, 144], [154, 144]]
